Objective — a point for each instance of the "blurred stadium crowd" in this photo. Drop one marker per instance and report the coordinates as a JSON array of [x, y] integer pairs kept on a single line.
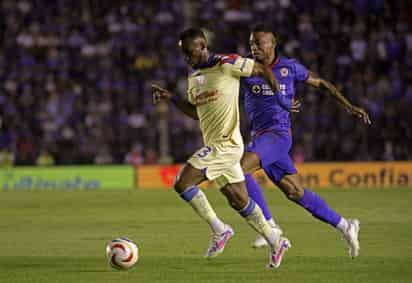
[[75, 76]]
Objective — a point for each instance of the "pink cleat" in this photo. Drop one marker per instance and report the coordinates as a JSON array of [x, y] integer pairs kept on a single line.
[[218, 242], [261, 242], [276, 255]]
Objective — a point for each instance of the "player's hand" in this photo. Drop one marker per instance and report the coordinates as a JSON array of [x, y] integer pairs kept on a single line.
[[357, 111], [295, 108], [160, 94]]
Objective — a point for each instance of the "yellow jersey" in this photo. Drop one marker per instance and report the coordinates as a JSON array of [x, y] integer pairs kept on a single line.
[[214, 90]]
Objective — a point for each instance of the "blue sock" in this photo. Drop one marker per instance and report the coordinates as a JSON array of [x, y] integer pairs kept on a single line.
[[189, 193], [248, 209], [255, 192], [319, 208]]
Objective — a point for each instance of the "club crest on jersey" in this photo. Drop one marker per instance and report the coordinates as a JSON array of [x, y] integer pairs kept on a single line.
[[284, 72], [256, 89], [200, 79]]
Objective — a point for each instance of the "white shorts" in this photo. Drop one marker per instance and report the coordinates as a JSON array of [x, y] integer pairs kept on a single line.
[[220, 163]]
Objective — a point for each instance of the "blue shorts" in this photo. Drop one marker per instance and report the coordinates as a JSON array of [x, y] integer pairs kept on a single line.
[[273, 148]]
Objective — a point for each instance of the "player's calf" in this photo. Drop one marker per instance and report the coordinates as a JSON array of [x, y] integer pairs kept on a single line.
[[236, 197], [291, 187], [187, 177]]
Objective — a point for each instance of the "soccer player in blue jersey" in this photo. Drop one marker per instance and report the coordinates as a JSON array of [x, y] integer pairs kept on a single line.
[[269, 118]]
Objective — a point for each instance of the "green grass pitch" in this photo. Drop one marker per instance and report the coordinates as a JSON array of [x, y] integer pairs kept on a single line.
[[60, 237]]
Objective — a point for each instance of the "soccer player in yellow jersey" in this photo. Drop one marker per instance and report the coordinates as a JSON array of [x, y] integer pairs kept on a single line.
[[213, 93]]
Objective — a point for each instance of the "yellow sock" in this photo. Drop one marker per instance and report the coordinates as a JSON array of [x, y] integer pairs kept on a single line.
[[201, 205], [254, 216]]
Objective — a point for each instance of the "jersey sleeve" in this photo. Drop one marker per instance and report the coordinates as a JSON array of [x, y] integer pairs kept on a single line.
[[301, 73], [237, 66], [190, 87]]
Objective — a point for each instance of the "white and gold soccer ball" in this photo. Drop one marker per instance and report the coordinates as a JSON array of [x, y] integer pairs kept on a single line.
[[122, 253]]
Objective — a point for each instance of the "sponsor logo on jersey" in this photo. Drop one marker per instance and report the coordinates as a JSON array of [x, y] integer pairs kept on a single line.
[[200, 79], [205, 97], [263, 89]]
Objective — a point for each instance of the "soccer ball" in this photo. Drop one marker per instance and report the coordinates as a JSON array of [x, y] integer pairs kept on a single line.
[[122, 253]]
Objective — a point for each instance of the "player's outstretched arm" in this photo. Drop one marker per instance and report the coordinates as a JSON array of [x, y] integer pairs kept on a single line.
[[260, 70], [160, 94], [322, 84]]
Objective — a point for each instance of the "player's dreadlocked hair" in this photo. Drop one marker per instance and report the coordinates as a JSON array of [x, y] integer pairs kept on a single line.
[[191, 33]]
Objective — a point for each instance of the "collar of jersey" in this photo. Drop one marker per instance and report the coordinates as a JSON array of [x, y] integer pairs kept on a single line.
[[275, 61]]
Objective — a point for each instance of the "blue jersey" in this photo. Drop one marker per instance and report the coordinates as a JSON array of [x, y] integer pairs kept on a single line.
[[265, 109]]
